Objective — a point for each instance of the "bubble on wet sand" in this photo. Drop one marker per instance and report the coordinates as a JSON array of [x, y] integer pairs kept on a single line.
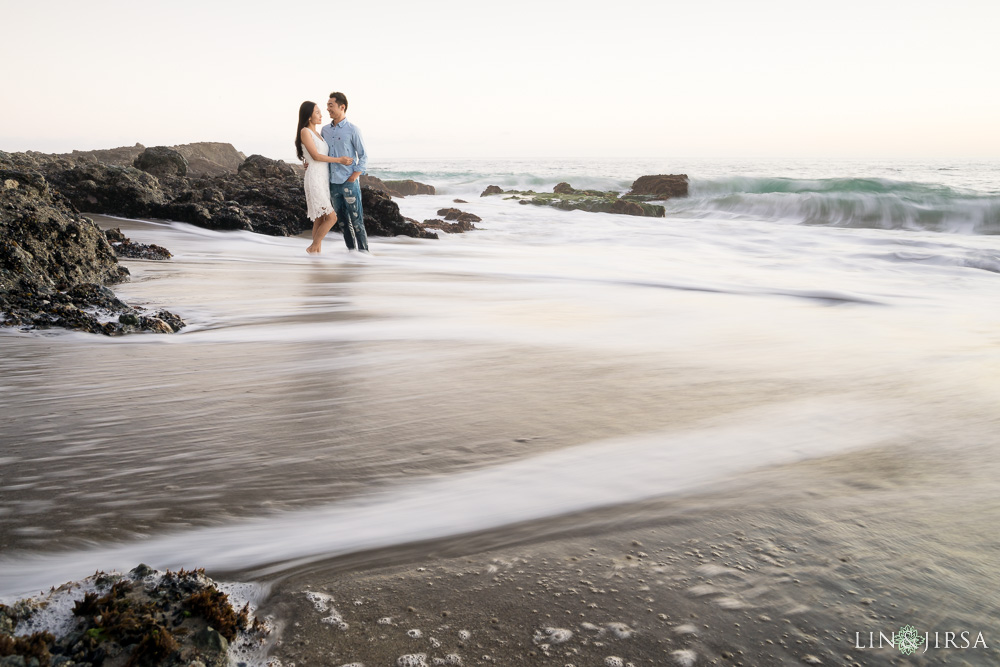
[[450, 659], [385, 620], [620, 630], [684, 658], [552, 635], [412, 660], [353, 664], [464, 635], [730, 603], [414, 633], [324, 605], [686, 629], [614, 661]]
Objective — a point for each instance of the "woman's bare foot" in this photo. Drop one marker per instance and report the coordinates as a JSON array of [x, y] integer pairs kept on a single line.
[[321, 226]]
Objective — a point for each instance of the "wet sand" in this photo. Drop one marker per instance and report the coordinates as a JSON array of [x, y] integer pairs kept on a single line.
[[569, 474], [784, 567]]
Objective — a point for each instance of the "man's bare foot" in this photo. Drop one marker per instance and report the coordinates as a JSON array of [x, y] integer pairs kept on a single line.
[[314, 249]]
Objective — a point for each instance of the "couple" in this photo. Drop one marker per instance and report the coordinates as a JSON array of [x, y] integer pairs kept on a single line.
[[331, 184]]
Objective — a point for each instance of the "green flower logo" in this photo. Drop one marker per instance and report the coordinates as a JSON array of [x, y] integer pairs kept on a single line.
[[908, 640]]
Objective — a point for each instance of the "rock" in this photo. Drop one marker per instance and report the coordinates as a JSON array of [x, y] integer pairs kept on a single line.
[[211, 640], [258, 166], [161, 161], [459, 201], [461, 216], [593, 201], [123, 156], [203, 158], [661, 186], [397, 188], [450, 227], [125, 247], [177, 619], [109, 189], [382, 217], [208, 158], [55, 263], [375, 183], [407, 188], [265, 196], [45, 245], [492, 190]]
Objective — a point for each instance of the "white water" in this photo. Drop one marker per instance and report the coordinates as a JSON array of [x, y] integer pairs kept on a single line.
[[289, 421]]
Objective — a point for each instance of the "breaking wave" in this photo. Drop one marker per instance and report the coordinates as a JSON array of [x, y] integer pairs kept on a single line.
[[842, 202]]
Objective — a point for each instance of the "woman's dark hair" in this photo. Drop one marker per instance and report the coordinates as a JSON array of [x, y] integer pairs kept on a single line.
[[305, 113]]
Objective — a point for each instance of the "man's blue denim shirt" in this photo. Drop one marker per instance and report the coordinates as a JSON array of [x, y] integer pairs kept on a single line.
[[344, 140]]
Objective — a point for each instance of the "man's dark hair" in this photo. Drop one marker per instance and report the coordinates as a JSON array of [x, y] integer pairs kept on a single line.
[[341, 99]]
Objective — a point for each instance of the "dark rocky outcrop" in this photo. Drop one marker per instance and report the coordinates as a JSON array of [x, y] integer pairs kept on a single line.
[[125, 247], [161, 161], [55, 264], [492, 190], [661, 186], [204, 158], [568, 198], [265, 196], [261, 195], [258, 166]]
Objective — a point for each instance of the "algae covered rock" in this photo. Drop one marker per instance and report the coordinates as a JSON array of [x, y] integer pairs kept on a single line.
[[661, 186], [143, 618], [566, 198]]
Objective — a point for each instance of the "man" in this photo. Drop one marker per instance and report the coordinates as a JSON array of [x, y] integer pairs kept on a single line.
[[344, 140]]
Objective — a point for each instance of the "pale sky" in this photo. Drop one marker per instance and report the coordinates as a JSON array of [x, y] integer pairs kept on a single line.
[[443, 78]]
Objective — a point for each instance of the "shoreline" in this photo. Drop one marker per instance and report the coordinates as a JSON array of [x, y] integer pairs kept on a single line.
[[305, 385]]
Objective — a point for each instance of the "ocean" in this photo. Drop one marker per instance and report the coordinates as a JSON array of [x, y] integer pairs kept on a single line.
[[821, 335]]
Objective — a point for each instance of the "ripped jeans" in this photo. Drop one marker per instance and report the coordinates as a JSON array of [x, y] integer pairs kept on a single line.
[[346, 198]]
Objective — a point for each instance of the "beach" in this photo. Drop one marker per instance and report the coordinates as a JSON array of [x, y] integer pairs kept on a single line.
[[752, 432]]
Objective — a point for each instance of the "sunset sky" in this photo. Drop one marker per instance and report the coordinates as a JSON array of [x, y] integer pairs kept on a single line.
[[442, 78]]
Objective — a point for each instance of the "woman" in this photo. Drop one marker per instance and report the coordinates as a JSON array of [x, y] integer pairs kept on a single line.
[[317, 178]]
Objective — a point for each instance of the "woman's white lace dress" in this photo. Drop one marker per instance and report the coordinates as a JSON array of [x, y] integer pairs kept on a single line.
[[317, 181]]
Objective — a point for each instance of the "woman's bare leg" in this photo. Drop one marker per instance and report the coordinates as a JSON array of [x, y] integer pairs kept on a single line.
[[313, 248], [321, 226]]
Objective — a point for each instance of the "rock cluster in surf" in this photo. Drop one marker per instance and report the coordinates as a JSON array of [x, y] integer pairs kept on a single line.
[[644, 190]]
